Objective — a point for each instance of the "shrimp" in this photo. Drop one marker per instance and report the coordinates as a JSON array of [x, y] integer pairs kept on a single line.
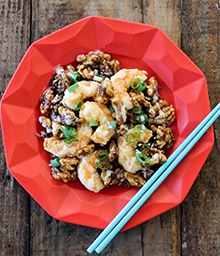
[[85, 90], [93, 111], [121, 81], [62, 149], [126, 152], [88, 174]]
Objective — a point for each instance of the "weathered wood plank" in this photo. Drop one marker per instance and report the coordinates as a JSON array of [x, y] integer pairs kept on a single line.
[[201, 209], [161, 235], [165, 15], [53, 237], [14, 201]]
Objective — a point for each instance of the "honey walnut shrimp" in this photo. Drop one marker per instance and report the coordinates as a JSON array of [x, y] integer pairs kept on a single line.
[[104, 125]]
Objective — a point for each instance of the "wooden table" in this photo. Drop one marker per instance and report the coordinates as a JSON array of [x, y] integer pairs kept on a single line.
[[193, 228]]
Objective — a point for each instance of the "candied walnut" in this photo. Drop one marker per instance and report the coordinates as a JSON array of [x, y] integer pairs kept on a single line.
[[109, 68], [96, 62], [64, 176], [106, 176], [107, 84], [56, 130], [111, 177], [152, 86], [87, 149], [164, 136], [61, 80], [85, 72], [157, 158], [162, 113], [46, 123], [122, 129], [113, 151], [45, 101], [101, 96], [69, 163], [135, 180], [138, 99], [68, 117]]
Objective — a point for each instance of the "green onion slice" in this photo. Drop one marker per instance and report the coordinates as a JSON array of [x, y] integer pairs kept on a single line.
[[93, 123], [102, 164], [98, 78], [136, 111], [140, 128], [73, 87], [111, 108], [78, 106], [132, 137], [55, 162], [68, 131], [141, 157], [70, 140], [102, 155], [142, 118], [112, 125], [74, 76], [137, 84]]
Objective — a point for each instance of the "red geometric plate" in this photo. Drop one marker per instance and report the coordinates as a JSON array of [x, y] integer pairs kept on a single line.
[[136, 46]]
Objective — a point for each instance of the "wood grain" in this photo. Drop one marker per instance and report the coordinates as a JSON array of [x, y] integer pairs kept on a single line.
[[14, 203], [200, 40]]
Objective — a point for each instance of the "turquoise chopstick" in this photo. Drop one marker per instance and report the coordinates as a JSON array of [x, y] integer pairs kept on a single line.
[[153, 183]]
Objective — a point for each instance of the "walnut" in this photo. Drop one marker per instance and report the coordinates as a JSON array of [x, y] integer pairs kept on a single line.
[[69, 163], [122, 129], [138, 99], [61, 80], [64, 176], [164, 136], [68, 116], [152, 86], [157, 158], [96, 62], [56, 130], [46, 123], [107, 84], [101, 96], [45, 101], [135, 180], [87, 149], [113, 151]]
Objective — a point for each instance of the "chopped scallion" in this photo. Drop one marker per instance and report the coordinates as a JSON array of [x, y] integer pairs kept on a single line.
[[74, 76], [112, 125], [78, 106], [140, 128], [73, 87], [55, 162], [93, 123], [111, 108], [69, 133], [98, 78], [102, 164], [136, 111], [102, 155], [141, 157], [132, 137], [137, 84]]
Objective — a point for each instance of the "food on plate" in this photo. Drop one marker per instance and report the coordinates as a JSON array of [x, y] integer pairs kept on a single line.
[[103, 125]]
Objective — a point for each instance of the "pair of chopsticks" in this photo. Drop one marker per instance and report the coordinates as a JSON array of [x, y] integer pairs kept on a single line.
[[153, 183]]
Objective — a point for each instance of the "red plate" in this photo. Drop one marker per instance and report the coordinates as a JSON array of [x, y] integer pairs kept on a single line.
[[136, 46]]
